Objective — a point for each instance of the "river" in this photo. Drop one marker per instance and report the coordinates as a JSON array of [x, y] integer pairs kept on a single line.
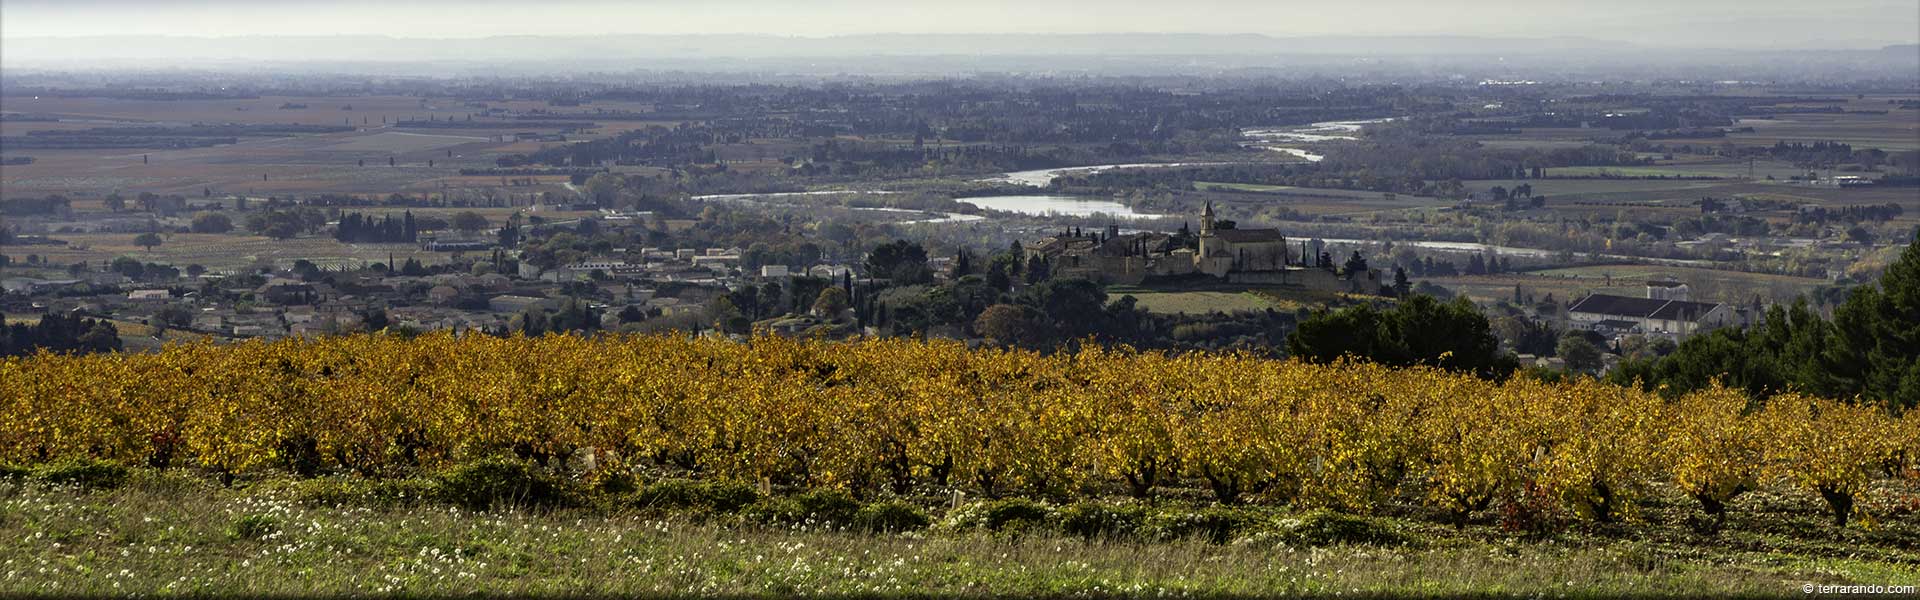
[[1042, 205], [1044, 177], [1324, 131], [1303, 154], [1521, 252], [1039, 205], [1035, 205], [1046, 205], [945, 217]]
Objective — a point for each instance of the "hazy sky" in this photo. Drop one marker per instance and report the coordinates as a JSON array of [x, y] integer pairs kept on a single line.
[[1738, 23]]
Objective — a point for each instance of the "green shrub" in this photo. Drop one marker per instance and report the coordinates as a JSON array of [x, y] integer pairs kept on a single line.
[[253, 527], [728, 497], [1327, 528], [1015, 515], [1093, 520], [497, 482], [404, 492], [616, 484], [328, 491], [892, 516], [85, 473], [1010, 515], [8, 471], [774, 511], [1214, 524], [668, 495], [825, 507], [828, 505], [684, 495]]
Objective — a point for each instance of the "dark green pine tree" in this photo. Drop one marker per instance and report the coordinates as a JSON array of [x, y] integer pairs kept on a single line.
[[1877, 335], [1870, 350]]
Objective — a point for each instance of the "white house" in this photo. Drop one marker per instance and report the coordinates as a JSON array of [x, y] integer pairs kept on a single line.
[[829, 271], [1624, 314]]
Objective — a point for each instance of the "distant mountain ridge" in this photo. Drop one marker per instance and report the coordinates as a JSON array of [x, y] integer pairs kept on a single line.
[[541, 47], [1165, 53]]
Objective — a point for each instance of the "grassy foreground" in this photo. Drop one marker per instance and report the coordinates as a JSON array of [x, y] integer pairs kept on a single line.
[[179, 534]]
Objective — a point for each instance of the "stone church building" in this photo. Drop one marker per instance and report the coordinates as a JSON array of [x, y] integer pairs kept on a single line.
[[1227, 251], [1252, 256]]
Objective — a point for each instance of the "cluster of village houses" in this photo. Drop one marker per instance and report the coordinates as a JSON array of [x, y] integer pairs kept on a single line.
[[285, 306]]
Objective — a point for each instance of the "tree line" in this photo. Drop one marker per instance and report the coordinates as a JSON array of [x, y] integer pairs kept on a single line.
[[60, 334], [357, 228], [1869, 349]]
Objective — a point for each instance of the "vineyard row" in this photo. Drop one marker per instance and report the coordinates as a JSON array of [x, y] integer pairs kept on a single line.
[[901, 416]]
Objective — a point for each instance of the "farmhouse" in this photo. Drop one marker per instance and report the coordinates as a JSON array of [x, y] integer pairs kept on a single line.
[[443, 294], [834, 272], [286, 291], [717, 258], [615, 268], [1626, 314]]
